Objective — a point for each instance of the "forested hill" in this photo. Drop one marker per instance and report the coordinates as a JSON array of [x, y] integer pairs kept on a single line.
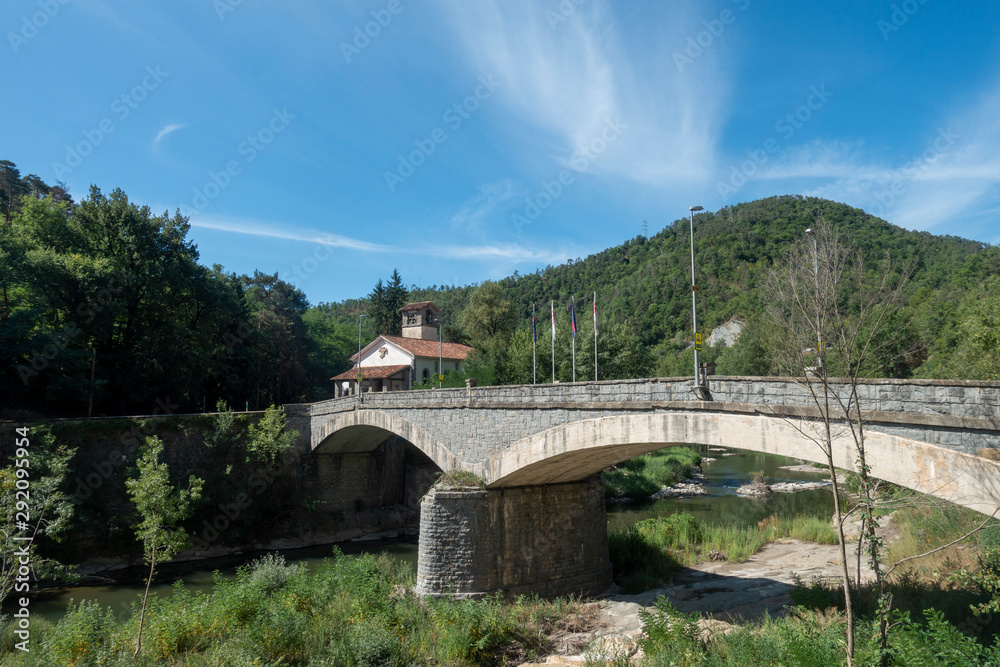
[[644, 283]]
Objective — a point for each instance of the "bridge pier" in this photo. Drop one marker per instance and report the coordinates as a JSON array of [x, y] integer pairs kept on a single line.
[[550, 540]]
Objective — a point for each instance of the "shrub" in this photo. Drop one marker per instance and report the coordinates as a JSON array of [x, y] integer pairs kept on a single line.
[[270, 573]]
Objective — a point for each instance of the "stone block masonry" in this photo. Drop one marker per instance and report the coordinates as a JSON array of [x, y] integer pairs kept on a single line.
[[549, 540]]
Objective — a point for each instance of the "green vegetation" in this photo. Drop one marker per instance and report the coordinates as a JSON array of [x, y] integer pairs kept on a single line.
[[642, 476], [645, 554], [268, 438], [350, 611], [106, 285], [460, 479], [45, 510], [807, 639], [162, 508]]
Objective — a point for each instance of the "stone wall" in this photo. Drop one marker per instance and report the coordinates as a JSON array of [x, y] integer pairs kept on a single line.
[[550, 540], [474, 424], [300, 500], [949, 397]]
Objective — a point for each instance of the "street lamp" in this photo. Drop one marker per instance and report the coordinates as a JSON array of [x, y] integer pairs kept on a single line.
[[694, 303], [819, 332], [360, 315]]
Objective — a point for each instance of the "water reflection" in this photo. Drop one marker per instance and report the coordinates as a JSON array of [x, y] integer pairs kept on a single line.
[[730, 470]]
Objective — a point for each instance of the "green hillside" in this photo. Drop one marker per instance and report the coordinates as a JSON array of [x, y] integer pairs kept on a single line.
[[644, 283]]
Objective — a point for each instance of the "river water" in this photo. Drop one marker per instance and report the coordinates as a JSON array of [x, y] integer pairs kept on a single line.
[[730, 470], [721, 504]]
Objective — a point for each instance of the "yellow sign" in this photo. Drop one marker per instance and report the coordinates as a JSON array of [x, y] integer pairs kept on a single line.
[[360, 378], [697, 341], [441, 378], [821, 347]]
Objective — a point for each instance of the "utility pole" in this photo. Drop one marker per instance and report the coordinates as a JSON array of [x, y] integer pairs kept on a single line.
[[694, 305]]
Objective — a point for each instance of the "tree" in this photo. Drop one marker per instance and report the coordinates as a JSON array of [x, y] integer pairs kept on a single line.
[[490, 317], [47, 509], [385, 301], [983, 327], [379, 308], [832, 311], [162, 508], [280, 339], [395, 298], [750, 353], [11, 189], [268, 437]]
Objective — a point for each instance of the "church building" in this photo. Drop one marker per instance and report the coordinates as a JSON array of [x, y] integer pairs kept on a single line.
[[395, 363]]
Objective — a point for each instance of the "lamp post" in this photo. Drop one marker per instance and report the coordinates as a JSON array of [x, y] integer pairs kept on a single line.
[[360, 315], [694, 302], [820, 350], [440, 355]]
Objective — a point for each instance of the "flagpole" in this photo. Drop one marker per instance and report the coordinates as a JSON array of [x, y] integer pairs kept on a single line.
[[534, 337], [595, 336], [552, 304], [572, 311]]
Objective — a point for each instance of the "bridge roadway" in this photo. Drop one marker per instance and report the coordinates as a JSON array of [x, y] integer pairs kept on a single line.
[[539, 525]]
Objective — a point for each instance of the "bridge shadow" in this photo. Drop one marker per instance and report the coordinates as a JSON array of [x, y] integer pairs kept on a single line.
[[724, 597]]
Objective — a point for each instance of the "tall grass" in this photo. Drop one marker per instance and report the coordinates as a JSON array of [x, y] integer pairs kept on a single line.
[[808, 639], [650, 550], [924, 525], [642, 476], [351, 611]]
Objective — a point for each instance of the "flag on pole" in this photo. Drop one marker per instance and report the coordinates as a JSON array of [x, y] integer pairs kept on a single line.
[[595, 314], [553, 304], [534, 332], [572, 315]]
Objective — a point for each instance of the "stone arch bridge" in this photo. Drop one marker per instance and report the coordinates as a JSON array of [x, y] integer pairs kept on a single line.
[[539, 523]]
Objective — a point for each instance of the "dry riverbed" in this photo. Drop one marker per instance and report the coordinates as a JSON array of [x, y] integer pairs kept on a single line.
[[723, 593]]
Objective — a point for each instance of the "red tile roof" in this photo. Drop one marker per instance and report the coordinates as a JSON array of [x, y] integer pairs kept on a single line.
[[371, 372], [429, 348], [424, 348]]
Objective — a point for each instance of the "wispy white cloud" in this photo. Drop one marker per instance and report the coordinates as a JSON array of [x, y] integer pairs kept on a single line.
[[287, 233], [506, 252], [167, 129], [954, 173], [475, 211], [570, 78]]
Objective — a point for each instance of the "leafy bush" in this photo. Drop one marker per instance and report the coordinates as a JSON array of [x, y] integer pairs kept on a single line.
[[270, 572], [642, 476]]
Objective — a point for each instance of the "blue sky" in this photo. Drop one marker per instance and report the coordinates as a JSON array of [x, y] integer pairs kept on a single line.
[[461, 141]]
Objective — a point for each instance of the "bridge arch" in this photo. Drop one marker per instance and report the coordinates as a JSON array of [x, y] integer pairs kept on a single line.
[[577, 450], [364, 430]]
